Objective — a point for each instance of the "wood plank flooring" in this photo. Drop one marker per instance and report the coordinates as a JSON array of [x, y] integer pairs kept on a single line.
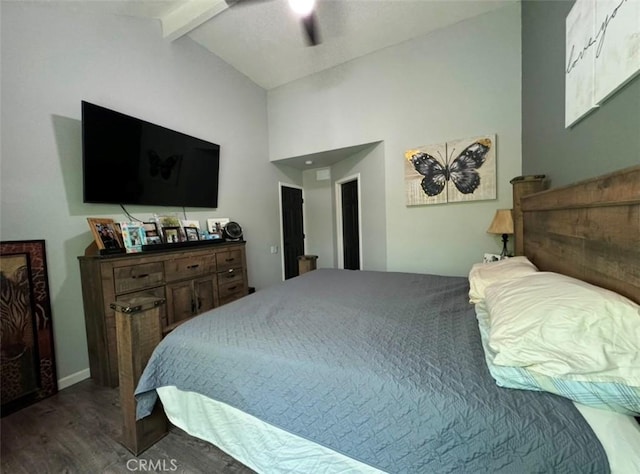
[[76, 431]]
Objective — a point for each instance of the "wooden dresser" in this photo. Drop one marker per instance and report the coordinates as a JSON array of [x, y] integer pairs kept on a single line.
[[192, 280]]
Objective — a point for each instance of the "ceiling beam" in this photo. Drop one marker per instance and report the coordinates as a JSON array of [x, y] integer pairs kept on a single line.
[[189, 16]]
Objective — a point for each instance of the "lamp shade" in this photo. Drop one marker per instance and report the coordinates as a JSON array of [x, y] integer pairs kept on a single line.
[[502, 222]]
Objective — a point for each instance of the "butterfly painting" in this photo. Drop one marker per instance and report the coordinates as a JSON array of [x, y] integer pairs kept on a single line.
[[464, 170]]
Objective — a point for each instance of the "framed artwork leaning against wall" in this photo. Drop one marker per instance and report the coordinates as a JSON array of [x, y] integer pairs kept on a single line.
[[27, 360]]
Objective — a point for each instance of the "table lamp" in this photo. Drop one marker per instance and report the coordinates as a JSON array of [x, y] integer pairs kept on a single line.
[[502, 224]]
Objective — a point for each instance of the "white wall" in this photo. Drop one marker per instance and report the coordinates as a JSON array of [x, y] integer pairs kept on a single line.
[[53, 58], [459, 82], [321, 217], [319, 225]]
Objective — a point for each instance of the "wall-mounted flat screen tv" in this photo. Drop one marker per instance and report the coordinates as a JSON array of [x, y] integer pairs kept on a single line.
[[129, 161]]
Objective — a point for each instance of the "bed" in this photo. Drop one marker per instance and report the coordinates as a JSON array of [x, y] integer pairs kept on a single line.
[[343, 371]]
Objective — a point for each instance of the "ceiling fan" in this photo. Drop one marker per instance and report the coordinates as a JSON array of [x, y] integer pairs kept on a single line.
[[306, 11]]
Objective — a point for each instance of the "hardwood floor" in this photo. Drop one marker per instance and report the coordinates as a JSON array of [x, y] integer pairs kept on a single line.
[[76, 431]]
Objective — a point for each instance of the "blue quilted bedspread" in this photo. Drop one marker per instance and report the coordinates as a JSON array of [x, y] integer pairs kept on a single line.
[[386, 368]]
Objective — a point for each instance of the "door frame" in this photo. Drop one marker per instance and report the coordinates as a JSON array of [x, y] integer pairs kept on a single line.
[[281, 185], [339, 240]]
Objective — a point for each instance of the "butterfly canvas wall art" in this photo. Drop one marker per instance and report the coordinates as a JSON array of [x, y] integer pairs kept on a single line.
[[455, 171]]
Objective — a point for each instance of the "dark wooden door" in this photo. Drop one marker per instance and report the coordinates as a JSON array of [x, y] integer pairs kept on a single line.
[[350, 225], [292, 230]]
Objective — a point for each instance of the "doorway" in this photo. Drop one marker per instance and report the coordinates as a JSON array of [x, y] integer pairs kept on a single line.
[[292, 218], [349, 228]]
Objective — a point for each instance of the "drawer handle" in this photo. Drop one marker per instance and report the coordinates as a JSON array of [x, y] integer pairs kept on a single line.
[[229, 259], [142, 275], [191, 267], [231, 288]]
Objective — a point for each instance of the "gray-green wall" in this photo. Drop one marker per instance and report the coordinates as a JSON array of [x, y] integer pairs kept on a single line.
[[606, 140], [52, 58]]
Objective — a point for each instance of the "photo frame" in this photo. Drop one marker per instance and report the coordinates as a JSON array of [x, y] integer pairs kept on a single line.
[[133, 236], [152, 233], [216, 225], [191, 233], [28, 361], [190, 223], [105, 233], [168, 221], [171, 234]]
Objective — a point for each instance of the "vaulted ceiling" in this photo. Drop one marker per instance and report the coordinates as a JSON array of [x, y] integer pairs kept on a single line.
[[264, 39]]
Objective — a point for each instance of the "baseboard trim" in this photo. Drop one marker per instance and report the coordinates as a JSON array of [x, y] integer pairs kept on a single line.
[[73, 379]]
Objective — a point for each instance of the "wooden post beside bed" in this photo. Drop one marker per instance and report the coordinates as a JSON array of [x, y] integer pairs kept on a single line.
[[589, 230], [139, 331], [523, 186]]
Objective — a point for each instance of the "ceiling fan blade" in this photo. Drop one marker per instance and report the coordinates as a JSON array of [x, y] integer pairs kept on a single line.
[[310, 25]]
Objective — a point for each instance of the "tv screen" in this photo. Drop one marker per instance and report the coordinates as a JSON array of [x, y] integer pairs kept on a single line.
[[129, 161]]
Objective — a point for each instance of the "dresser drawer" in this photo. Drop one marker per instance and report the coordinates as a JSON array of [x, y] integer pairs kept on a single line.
[[230, 276], [230, 291], [189, 267], [227, 260], [137, 277]]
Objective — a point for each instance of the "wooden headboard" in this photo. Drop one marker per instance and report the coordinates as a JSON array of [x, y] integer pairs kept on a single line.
[[589, 230]]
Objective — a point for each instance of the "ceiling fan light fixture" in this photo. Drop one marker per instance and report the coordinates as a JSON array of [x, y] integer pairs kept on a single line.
[[302, 7]]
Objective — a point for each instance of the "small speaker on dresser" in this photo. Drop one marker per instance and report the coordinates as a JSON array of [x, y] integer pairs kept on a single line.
[[233, 231]]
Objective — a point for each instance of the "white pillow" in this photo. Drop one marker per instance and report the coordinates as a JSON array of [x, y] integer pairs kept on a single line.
[[563, 327], [484, 274]]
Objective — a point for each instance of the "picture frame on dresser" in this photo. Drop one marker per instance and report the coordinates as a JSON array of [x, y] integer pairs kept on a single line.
[[215, 226], [133, 236], [191, 233], [172, 234], [105, 233], [152, 233], [190, 223]]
